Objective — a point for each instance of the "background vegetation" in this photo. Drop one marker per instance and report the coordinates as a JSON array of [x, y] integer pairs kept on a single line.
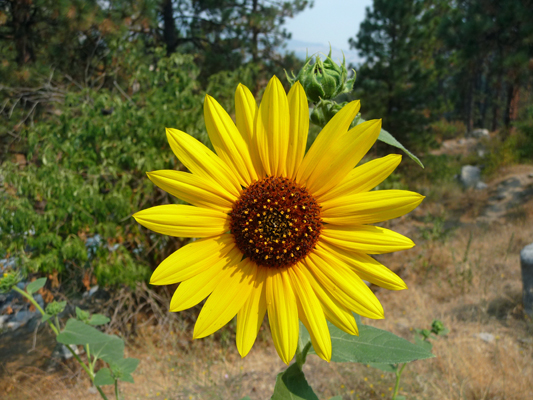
[[88, 86]]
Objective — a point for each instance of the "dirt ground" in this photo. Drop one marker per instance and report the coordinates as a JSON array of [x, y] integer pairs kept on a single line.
[[464, 271]]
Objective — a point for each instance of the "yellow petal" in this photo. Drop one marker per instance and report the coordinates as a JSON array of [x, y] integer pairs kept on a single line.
[[192, 291], [365, 239], [363, 178], [282, 313], [183, 221], [344, 285], [272, 128], [251, 315], [245, 113], [311, 314], [228, 142], [369, 207], [193, 189], [232, 291], [334, 311], [334, 129], [201, 161], [366, 267], [299, 128], [194, 258], [342, 156]]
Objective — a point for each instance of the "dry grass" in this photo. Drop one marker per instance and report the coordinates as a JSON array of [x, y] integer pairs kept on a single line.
[[463, 273]]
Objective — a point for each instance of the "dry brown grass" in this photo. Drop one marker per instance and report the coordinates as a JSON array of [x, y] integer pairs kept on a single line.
[[464, 273]]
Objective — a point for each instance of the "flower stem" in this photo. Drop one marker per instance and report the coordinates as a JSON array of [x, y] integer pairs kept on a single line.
[[56, 331], [301, 354], [397, 385], [116, 389]]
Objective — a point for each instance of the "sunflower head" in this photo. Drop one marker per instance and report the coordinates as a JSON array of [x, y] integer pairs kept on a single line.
[[281, 231]]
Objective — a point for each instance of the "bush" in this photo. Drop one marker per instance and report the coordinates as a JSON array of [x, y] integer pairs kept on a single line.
[[70, 206]]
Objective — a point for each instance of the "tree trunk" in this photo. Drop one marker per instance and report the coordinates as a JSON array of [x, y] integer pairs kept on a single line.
[[170, 32], [23, 19]]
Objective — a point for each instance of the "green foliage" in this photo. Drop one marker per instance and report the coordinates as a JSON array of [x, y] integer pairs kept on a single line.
[[291, 384], [86, 174], [373, 345], [35, 285], [444, 130]]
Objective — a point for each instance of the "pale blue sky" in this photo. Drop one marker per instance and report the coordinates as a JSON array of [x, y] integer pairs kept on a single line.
[[333, 21]]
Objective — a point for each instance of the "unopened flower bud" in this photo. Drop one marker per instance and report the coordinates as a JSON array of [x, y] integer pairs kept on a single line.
[[55, 308], [9, 280], [323, 80]]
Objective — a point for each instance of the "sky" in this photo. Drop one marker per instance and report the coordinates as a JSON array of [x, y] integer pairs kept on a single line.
[[333, 21]]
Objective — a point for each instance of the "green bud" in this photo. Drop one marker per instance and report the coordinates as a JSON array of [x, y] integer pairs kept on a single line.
[[9, 280], [323, 80], [438, 328], [54, 308]]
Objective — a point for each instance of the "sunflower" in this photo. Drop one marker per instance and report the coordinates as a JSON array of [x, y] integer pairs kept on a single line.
[[281, 231]]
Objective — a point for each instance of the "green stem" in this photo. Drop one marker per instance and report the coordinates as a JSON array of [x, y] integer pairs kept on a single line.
[[56, 331], [36, 305], [301, 354], [397, 385], [116, 389], [57, 323]]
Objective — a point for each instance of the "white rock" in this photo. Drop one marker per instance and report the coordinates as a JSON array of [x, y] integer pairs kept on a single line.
[[470, 176], [478, 133], [486, 337]]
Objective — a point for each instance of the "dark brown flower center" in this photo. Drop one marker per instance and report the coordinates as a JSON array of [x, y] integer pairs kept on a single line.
[[275, 222]]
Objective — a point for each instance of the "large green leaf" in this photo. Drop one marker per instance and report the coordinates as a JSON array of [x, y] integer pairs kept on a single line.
[[35, 285], [110, 351], [373, 345], [77, 332], [103, 377], [292, 385], [385, 367]]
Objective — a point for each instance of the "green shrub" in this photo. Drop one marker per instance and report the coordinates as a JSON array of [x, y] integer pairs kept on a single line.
[[70, 207]]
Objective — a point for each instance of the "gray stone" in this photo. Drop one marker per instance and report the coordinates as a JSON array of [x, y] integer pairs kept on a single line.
[[486, 337], [481, 185], [13, 325], [470, 176], [61, 352], [478, 133], [3, 320], [39, 299], [24, 316], [526, 262]]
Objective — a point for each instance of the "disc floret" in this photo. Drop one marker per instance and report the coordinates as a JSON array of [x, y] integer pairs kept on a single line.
[[276, 222]]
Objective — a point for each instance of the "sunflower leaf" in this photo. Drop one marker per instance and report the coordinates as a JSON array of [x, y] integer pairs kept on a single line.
[[292, 385], [103, 377], [110, 351], [386, 137], [373, 345], [77, 332]]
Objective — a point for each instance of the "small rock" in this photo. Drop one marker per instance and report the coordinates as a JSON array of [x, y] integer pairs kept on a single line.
[[526, 263], [24, 316], [39, 299], [486, 337], [470, 176], [92, 390], [530, 175], [61, 351], [13, 325], [478, 133], [481, 185], [3, 320]]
